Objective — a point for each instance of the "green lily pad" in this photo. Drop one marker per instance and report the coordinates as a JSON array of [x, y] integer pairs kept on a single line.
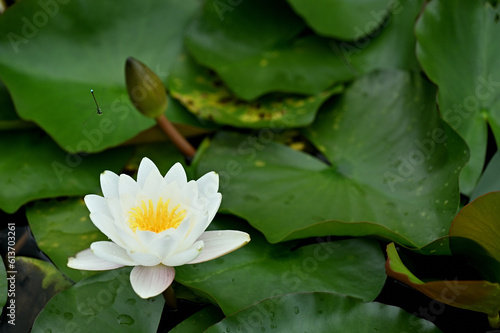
[[54, 53], [394, 172], [104, 302], [207, 97], [490, 181], [256, 48], [461, 59], [3, 286], [259, 270], [200, 321], [344, 19], [322, 312], [34, 167], [481, 296], [61, 229], [37, 281]]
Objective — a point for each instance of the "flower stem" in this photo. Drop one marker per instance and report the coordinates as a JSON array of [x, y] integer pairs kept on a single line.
[[182, 144], [170, 298]]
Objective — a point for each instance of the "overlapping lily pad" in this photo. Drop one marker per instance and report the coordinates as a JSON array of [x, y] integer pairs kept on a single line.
[[105, 302], [34, 167], [394, 172], [461, 59], [322, 312], [352, 267], [259, 50], [206, 96], [345, 19], [54, 53]]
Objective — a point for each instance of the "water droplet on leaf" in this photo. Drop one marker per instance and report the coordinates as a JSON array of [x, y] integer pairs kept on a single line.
[[124, 319], [130, 301]]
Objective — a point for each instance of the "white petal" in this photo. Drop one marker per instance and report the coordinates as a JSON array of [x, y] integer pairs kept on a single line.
[[184, 257], [146, 167], [198, 224], [167, 242], [126, 185], [87, 260], [208, 184], [107, 226], [145, 258], [109, 184], [153, 187], [213, 206], [219, 243], [96, 203], [113, 253], [176, 174], [151, 281]]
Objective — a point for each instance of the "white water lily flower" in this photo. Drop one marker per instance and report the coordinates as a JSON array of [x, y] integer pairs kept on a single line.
[[155, 224]]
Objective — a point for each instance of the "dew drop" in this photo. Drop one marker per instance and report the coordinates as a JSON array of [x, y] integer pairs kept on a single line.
[[68, 315], [228, 329], [296, 309], [124, 319], [130, 301], [48, 330]]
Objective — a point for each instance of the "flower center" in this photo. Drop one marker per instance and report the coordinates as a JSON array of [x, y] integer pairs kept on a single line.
[[146, 217]]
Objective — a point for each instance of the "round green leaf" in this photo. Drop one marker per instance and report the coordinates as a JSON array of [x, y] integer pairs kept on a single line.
[[344, 19], [322, 312], [259, 270], [207, 97], [462, 60], [61, 229], [104, 302], [256, 49], [34, 167], [394, 172], [55, 52]]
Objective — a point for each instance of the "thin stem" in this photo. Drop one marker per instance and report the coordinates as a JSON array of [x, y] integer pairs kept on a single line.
[[170, 298], [182, 144]]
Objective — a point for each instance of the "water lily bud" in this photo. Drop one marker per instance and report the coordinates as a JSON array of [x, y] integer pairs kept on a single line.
[[145, 89]]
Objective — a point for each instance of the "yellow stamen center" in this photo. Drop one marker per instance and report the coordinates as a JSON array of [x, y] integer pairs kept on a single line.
[[146, 217]]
